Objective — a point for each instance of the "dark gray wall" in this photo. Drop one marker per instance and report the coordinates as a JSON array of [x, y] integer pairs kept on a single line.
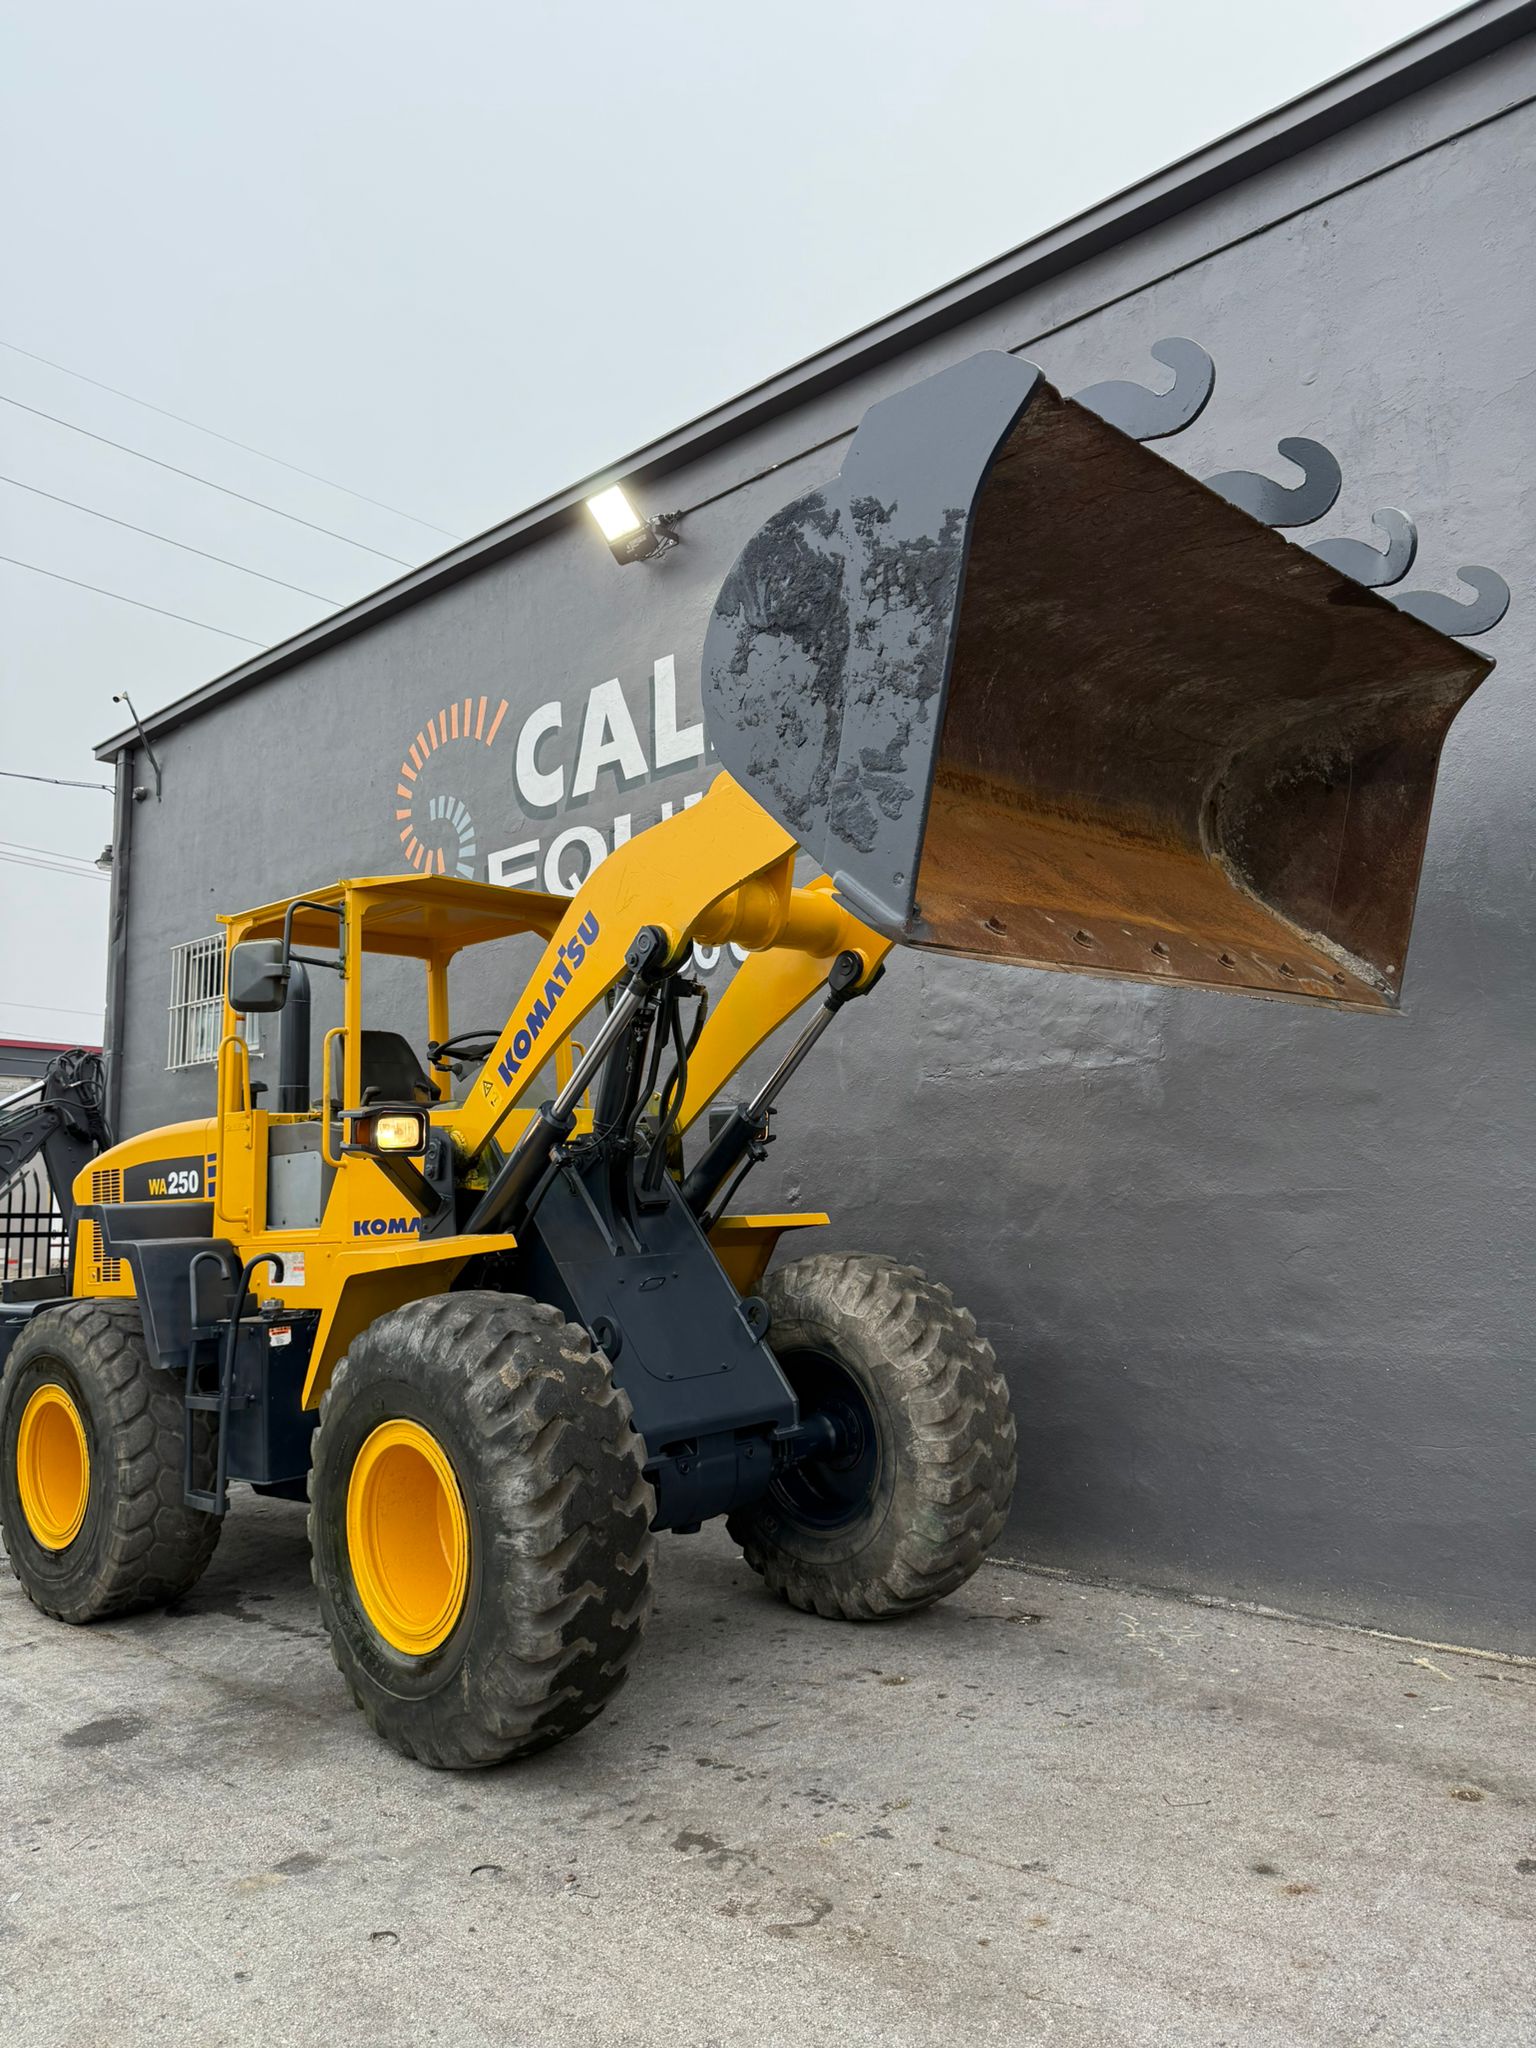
[[1260, 1277]]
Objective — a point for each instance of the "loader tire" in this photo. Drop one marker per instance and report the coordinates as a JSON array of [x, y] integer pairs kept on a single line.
[[480, 1528], [92, 1512], [907, 1510]]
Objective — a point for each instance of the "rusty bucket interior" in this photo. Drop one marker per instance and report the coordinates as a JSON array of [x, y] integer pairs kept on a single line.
[[1135, 733], [1173, 744]]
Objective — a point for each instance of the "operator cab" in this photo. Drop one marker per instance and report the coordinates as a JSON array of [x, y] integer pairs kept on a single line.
[[310, 1131]]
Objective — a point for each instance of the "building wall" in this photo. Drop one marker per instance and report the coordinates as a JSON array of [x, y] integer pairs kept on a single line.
[[1259, 1276]]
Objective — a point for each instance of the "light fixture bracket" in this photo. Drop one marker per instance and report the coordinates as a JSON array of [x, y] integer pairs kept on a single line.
[[140, 794], [654, 537]]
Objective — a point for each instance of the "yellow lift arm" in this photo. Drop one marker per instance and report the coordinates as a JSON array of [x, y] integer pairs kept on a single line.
[[720, 873]]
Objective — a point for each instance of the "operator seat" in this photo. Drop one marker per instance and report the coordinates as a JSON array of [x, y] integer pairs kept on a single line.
[[391, 1072]]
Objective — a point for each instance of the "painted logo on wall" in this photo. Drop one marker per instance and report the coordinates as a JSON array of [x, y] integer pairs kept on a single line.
[[436, 828], [558, 756]]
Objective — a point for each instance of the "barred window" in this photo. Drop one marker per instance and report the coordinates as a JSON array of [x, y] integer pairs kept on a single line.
[[197, 1005]]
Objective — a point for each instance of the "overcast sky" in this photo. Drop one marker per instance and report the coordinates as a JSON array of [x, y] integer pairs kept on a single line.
[[455, 257]]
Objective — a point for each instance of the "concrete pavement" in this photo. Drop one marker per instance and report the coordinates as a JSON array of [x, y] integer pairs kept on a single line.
[[1041, 1814]]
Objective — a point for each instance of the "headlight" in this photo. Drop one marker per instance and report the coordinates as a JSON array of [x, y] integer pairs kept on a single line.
[[400, 1131], [397, 1131]]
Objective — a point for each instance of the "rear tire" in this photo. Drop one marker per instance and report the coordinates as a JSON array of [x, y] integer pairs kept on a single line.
[[538, 1509], [132, 1541], [910, 1508]]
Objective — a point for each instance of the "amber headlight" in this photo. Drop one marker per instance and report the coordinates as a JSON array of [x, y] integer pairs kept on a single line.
[[398, 1131]]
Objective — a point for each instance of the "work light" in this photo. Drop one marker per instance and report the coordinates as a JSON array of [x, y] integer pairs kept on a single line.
[[614, 514], [397, 1131], [631, 538]]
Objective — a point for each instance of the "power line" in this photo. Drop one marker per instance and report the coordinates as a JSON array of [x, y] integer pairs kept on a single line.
[[58, 781], [38, 491], [182, 420], [52, 852], [143, 607], [52, 867], [57, 1009], [208, 483], [47, 852]]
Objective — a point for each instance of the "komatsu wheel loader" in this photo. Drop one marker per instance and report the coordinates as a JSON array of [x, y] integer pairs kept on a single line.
[[1011, 686]]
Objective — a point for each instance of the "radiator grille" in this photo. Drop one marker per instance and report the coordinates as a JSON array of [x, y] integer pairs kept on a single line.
[[106, 1186]]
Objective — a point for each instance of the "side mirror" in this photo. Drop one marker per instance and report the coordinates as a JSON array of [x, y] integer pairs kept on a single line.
[[258, 976]]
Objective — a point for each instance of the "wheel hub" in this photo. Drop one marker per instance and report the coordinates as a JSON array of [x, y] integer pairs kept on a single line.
[[53, 1467], [407, 1537], [833, 1483]]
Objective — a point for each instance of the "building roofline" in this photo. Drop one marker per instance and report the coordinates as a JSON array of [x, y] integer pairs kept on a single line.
[[1438, 51], [45, 1045]]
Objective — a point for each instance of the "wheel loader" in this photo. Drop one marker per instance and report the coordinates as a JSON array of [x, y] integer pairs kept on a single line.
[[1011, 686]]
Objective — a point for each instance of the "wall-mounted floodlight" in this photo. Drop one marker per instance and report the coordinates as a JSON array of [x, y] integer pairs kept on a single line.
[[631, 538]]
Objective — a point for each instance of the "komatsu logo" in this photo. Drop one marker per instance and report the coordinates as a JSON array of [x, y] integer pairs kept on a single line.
[[386, 1226], [569, 957]]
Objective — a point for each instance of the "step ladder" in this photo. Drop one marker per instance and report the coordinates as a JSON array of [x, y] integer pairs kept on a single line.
[[225, 1335]]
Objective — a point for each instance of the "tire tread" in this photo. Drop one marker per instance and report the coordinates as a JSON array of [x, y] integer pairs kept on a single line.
[[155, 1547], [573, 1513], [962, 1445]]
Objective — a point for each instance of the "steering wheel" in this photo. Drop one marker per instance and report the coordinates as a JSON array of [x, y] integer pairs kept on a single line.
[[468, 1044]]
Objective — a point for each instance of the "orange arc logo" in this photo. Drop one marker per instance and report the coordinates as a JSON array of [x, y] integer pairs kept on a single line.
[[426, 823]]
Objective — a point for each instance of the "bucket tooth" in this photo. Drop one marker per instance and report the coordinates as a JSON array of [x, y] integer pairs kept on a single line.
[[1374, 567], [1451, 615], [1284, 504], [1153, 415], [1028, 692]]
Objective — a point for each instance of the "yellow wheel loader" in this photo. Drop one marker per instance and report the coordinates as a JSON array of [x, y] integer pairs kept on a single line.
[[1011, 686]]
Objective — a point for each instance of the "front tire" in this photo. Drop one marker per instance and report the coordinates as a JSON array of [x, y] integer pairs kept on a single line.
[[920, 1487], [480, 1528], [92, 1511]]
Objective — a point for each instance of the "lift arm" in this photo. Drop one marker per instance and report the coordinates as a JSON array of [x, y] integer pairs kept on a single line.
[[721, 872], [767, 989]]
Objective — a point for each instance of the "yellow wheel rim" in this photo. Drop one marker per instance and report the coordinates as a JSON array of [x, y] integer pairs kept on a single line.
[[407, 1537], [53, 1467]]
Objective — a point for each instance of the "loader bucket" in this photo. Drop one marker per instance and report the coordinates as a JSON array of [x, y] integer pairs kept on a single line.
[[1029, 692]]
